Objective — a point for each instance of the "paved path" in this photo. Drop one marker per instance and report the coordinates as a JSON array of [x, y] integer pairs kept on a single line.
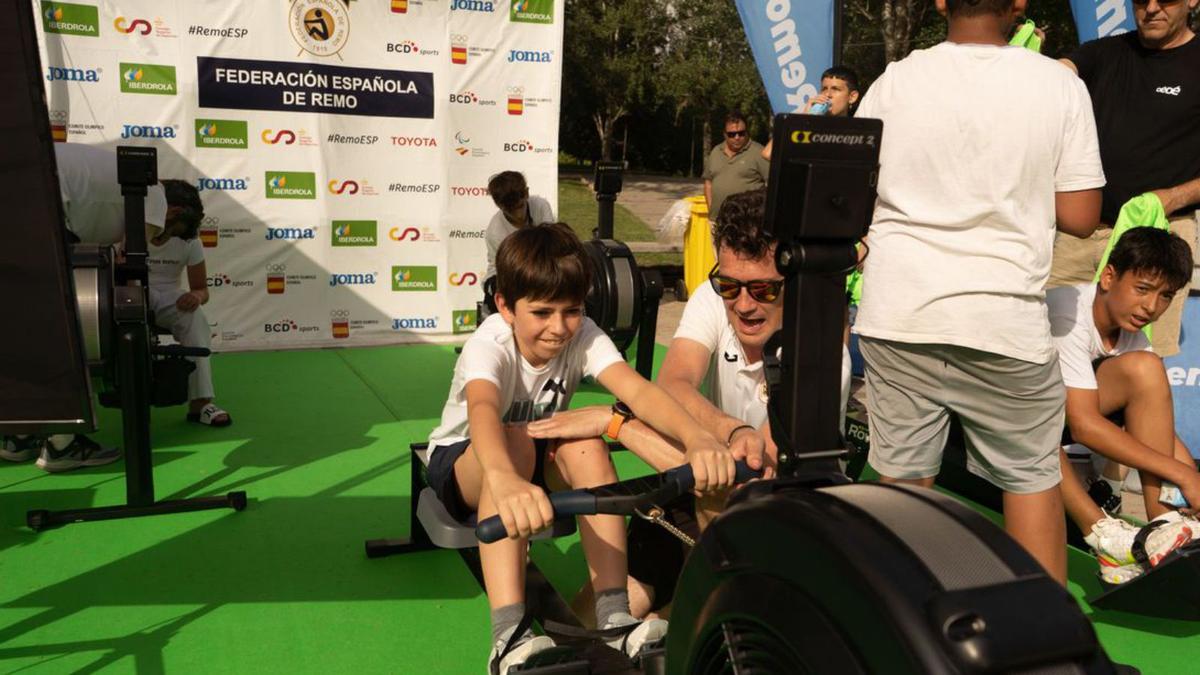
[[649, 197]]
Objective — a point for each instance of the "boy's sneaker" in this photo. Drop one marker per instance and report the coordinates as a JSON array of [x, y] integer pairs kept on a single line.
[[17, 449], [646, 632], [82, 451], [500, 661], [1112, 540], [1119, 574]]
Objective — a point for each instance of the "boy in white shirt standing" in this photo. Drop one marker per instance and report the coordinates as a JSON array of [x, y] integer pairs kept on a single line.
[[171, 254], [953, 320], [519, 368], [1118, 397]]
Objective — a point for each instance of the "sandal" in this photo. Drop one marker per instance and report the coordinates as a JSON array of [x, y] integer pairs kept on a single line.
[[211, 415]]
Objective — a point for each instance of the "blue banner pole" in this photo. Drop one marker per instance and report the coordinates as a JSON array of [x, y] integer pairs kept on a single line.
[[1101, 18]]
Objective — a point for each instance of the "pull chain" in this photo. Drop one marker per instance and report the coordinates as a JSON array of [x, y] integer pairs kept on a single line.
[[655, 516]]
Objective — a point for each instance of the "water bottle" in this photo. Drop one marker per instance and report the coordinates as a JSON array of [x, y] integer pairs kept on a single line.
[[820, 108]]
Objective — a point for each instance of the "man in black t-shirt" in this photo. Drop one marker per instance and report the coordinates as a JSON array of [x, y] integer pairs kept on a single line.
[[1145, 89]]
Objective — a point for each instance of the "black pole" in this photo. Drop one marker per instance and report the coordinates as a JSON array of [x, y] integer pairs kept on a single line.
[[607, 184], [838, 17]]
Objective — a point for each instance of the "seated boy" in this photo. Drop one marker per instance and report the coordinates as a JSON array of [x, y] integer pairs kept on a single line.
[[522, 365], [172, 251], [1111, 373]]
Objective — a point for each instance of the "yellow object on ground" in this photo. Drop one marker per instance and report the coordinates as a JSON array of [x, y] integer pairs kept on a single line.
[[698, 253]]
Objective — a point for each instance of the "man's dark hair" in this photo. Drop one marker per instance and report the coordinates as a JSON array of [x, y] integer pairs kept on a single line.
[[734, 117], [542, 262], [844, 73], [1155, 252], [184, 195], [739, 225], [977, 7], [507, 189]]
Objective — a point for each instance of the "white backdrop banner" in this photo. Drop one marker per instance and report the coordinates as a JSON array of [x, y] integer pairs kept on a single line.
[[341, 147]]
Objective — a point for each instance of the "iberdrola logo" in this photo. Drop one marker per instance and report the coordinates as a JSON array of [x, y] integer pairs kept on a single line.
[[532, 11], [70, 19], [464, 320], [221, 134], [147, 78], [291, 185], [414, 278]]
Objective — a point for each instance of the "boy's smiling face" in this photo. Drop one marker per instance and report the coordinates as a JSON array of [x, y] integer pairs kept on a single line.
[[1135, 298], [543, 328]]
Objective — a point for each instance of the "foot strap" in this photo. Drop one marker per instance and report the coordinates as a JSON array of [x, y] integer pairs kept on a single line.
[[522, 626], [1139, 543]]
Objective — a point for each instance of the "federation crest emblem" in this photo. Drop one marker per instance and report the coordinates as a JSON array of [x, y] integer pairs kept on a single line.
[[320, 27]]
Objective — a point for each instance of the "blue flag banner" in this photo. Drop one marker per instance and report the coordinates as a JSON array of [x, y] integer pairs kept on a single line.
[[792, 41], [1183, 372], [1101, 18]]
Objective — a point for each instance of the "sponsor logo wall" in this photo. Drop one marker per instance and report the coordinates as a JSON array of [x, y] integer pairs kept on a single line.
[[341, 148]]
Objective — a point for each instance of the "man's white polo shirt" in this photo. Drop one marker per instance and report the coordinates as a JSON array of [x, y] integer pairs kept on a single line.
[[735, 387]]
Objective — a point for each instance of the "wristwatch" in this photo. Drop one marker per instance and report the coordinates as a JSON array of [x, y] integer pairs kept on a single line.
[[620, 415]]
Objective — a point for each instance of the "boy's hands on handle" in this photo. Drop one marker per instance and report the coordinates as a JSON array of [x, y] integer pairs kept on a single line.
[[521, 506], [677, 481]]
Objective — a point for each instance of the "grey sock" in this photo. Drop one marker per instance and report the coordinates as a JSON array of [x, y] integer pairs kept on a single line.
[[506, 618], [610, 602], [60, 441]]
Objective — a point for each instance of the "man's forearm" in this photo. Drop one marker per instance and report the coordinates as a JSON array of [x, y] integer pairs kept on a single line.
[[1181, 196], [650, 446]]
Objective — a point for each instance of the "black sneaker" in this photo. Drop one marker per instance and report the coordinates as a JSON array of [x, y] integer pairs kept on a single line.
[[21, 449], [82, 451]]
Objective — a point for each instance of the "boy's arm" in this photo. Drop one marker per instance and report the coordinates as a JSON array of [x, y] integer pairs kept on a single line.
[[592, 422], [1077, 213], [198, 281], [711, 461], [521, 505], [1098, 433]]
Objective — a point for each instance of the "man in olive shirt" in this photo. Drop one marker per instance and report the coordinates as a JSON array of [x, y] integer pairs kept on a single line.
[[734, 166]]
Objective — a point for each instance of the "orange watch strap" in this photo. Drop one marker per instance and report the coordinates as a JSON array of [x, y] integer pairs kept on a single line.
[[614, 426]]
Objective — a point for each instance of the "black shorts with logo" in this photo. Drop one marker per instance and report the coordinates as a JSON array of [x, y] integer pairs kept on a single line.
[[440, 476]]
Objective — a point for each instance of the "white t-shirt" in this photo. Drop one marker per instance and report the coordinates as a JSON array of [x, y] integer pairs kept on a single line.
[[977, 140], [1073, 326], [735, 387], [526, 393], [499, 228], [168, 261], [92, 200]]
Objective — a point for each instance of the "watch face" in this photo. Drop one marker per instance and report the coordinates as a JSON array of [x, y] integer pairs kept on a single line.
[[623, 410]]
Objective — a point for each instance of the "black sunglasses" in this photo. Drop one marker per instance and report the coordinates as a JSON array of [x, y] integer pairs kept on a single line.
[[735, 134], [762, 290], [1161, 2]]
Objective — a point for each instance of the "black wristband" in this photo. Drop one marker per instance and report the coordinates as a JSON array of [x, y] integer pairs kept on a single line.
[[735, 430]]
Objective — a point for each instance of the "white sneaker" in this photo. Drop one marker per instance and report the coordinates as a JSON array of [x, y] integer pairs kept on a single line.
[[527, 646], [647, 632], [1112, 540]]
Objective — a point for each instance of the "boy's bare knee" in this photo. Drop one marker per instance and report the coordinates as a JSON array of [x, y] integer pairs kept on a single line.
[[521, 450], [585, 462]]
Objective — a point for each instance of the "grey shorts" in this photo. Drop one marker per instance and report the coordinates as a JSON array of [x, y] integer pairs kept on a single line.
[[1012, 413]]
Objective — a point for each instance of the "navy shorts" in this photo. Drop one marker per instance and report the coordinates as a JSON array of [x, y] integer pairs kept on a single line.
[[440, 476]]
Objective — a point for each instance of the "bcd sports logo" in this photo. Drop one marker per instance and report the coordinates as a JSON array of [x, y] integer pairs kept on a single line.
[[464, 320], [409, 48], [414, 278], [532, 11], [289, 326], [221, 134], [146, 78], [147, 131], [468, 97], [320, 27], [67, 18], [291, 185], [222, 281], [523, 146], [355, 232]]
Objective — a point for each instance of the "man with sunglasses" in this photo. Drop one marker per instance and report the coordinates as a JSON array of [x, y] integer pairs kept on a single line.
[[714, 369], [1145, 89], [737, 165]]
